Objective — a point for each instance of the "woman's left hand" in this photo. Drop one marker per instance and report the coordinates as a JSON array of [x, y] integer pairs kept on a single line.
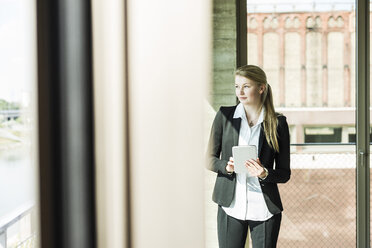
[[255, 168]]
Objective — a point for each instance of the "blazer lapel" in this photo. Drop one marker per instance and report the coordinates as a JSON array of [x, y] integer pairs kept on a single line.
[[236, 124], [261, 138]]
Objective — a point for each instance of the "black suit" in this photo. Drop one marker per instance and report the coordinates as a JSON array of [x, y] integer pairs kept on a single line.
[[224, 135]]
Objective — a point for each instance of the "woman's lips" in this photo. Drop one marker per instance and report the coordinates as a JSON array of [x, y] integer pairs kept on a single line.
[[243, 98]]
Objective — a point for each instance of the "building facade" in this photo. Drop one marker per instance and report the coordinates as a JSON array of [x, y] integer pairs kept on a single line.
[[309, 59]]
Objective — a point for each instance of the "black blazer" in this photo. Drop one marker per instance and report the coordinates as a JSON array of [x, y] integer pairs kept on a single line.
[[224, 135]]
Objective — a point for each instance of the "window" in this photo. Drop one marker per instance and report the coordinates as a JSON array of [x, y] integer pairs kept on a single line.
[[323, 134]]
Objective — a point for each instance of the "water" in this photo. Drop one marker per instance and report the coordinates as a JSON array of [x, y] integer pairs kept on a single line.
[[17, 180]]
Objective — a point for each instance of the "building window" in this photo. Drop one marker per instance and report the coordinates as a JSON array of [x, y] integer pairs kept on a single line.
[[323, 134], [352, 136]]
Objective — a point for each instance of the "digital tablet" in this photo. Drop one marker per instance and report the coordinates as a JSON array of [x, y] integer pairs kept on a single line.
[[241, 154]]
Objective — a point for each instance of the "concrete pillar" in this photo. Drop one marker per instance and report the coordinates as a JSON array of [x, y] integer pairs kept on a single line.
[[303, 66], [281, 64], [345, 135], [325, 68], [224, 53], [260, 40], [300, 136], [347, 63]]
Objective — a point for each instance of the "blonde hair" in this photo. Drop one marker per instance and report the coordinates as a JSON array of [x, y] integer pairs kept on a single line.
[[270, 123]]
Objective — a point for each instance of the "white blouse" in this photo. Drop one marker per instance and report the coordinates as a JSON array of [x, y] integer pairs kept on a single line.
[[248, 202]]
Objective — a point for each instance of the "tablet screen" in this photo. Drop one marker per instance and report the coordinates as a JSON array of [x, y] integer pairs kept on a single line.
[[241, 154]]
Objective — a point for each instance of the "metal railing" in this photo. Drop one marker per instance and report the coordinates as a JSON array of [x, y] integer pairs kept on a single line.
[[19, 238]]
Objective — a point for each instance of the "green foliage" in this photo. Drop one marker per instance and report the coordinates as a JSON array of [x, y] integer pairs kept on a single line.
[[19, 120], [4, 105]]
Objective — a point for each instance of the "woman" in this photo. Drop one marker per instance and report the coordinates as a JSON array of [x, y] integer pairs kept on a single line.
[[249, 200]]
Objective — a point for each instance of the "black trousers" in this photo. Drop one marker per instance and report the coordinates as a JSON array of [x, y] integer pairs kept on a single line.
[[232, 232]]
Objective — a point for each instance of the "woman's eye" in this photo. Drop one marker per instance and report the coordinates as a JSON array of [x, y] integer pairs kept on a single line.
[[246, 86]]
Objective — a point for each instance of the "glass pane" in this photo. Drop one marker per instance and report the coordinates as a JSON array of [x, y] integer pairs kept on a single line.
[[18, 170], [307, 50]]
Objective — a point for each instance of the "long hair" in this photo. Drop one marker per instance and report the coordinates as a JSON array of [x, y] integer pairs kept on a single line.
[[270, 122]]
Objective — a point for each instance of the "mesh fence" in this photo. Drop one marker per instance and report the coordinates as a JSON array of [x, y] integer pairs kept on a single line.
[[319, 201]]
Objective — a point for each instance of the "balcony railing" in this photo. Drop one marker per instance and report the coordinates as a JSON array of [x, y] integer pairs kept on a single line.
[[18, 228]]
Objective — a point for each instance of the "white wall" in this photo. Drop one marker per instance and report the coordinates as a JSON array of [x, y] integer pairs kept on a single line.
[[169, 70]]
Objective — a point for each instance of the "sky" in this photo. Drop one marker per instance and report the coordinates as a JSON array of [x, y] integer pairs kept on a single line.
[[271, 6], [17, 50]]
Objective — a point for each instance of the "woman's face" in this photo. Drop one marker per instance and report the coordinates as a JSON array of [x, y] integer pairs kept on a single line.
[[247, 91]]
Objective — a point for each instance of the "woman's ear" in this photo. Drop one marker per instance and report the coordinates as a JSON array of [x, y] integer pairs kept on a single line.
[[262, 89]]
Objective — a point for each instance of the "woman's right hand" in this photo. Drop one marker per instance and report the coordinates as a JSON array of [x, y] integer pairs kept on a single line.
[[230, 165]]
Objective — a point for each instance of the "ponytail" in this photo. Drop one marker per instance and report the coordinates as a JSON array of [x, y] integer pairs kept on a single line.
[[270, 120]]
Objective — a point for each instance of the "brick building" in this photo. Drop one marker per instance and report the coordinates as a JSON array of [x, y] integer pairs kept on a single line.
[[308, 53]]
